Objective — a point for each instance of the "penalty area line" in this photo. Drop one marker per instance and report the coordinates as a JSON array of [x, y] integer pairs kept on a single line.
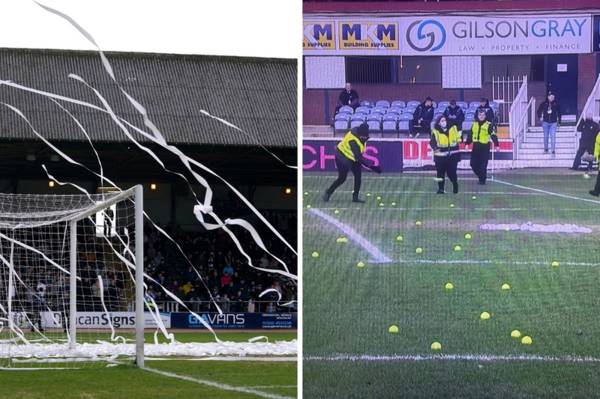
[[376, 254], [218, 385], [452, 357]]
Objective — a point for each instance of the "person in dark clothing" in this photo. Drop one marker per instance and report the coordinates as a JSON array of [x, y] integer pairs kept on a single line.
[[596, 191], [482, 132], [349, 97], [490, 115], [454, 115], [349, 158], [589, 130], [549, 114], [422, 118], [444, 142]]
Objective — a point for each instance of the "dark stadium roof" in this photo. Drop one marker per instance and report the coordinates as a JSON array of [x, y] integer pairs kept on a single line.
[[258, 95]]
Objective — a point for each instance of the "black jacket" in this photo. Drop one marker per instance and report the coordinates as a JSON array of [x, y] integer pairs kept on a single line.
[[455, 117], [589, 129], [490, 115], [544, 109], [423, 112], [350, 99]]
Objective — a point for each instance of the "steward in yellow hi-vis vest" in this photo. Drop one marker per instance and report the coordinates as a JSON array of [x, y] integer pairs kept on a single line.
[[444, 142], [596, 191], [480, 135], [349, 158]]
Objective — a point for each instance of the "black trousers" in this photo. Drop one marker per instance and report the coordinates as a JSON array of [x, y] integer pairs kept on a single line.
[[580, 152], [597, 186], [446, 166], [423, 128], [479, 160], [344, 165]]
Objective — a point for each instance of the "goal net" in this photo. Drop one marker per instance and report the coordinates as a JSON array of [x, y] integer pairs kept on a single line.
[[68, 287]]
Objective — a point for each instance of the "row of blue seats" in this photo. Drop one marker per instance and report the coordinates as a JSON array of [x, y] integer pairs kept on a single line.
[[387, 123], [399, 107]]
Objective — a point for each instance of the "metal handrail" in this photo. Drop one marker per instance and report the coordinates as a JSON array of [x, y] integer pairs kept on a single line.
[[516, 114]]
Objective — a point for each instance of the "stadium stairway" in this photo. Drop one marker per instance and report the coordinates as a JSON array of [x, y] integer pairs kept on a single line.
[[531, 153]]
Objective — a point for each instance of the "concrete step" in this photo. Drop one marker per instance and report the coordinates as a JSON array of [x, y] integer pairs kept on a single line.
[[560, 129], [545, 157], [540, 144]]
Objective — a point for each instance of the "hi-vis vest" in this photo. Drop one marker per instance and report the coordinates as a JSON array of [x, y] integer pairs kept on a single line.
[[444, 142], [344, 146], [481, 135], [597, 150]]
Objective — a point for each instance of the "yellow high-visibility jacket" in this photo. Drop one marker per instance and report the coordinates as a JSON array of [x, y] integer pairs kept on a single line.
[[446, 144], [346, 150]]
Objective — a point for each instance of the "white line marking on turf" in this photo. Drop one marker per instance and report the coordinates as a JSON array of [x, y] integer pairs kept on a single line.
[[452, 357], [546, 192], [490, 262], [378, 256], [272, 386], [395, 208], [217, 385], [433, 192]]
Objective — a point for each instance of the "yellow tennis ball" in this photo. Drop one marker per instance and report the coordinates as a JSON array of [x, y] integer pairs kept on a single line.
[[419, 250], [381, 204], [418, 223], [505, 286], [449, 286], [484, 316], [515, 333], [457, 248], [368, 194], [526, 340], [308, 206], [474, 197], [336, 211], [451, 205], [306, 193], [393, 204], [436, 346], [378, 198], [393, 329], [341, 240], [399, 238], [555, 263], [468, 236], [315, 254], [360, 264]]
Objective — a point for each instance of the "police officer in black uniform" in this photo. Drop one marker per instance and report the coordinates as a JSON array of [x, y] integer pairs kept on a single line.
[[349, 158], [482, 131]]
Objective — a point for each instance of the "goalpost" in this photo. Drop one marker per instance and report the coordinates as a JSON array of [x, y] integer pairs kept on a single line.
[[71, 278]]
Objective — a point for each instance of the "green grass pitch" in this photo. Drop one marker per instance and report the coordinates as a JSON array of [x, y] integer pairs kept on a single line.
[[348, 350], [97, 381]]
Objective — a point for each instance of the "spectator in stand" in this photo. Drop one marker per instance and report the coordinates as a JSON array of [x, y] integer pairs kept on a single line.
[[454, 116], [549, 114], [422, 118], [490, 115], [228, 270], [589, 130], [225, 280], [349, 97]]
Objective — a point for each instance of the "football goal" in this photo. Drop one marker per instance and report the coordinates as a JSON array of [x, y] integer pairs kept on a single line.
[[71, 278]]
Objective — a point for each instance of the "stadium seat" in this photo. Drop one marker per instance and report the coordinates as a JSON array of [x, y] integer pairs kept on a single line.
[[363, 110], [398, 103], [381, 110], [366, 103], [466, 126], [342, 115], [390, 122], [462, 104], [346, 109], [357, 120], [443, 105], [374, 122], [409, 110], [382, 104], [395, 110], [404, 122], [413, 103], [474, 104], [342, 122]]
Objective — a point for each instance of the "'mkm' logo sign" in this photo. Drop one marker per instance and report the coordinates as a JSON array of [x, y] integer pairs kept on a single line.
[[318, 36], [356, 36]]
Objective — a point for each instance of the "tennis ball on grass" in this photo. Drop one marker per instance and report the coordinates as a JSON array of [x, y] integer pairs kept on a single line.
[[468, 236], [474, 197], [336, 211], [526, 340], [555, 263], [451, 205], [341, 240], [306, 193], [436, 346], [368, 194], [484, 316], [393, 204], [315, 254], [360, 264], [399, 238], [449, 286], [378, 198], [515, 333], [586, 176], [457, 248], [381, 204], [418, 223], [393, 329], [419, 250], [505, 286], [308, 206]]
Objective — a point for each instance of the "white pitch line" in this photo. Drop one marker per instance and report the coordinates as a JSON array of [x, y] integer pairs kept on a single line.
[[227, 359], [490, 262], [395, 208], [378, 256], [452, 357], [433, 192], [572, 197], [217, 385]]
